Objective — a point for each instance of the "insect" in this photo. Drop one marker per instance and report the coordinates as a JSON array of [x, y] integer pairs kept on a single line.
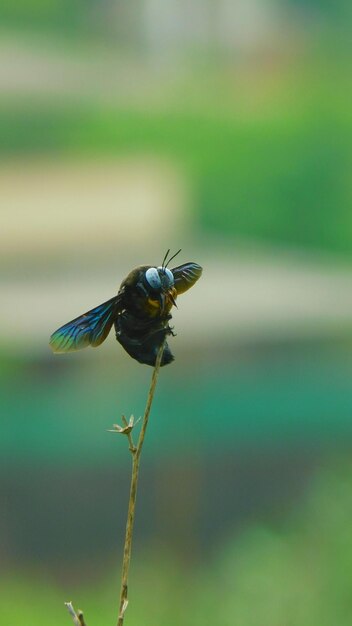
[[140, 313]]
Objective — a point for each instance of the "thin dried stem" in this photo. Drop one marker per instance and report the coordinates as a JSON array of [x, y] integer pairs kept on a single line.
[[129, 434], [77, 618], [136, 454]]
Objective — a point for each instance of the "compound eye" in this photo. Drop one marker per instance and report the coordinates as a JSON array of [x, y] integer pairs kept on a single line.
[[170, 276], [153, 278], [166, 274]]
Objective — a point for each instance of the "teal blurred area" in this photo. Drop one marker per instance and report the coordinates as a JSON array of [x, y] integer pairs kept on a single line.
[[223, 128]]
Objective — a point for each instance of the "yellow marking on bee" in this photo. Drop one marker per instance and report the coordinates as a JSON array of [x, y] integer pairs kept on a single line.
[[154, 305]]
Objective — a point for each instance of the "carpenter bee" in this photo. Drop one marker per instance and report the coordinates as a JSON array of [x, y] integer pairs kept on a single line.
[[140, 313]]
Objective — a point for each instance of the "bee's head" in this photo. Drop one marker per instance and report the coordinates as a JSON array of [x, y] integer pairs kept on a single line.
[[159, 279]]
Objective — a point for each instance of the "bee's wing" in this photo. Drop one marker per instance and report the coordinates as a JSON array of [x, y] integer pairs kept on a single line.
[[89, 329], [186, 275]]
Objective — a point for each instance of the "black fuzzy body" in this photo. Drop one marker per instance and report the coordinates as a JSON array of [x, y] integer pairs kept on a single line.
[[139, 327], [142, 340]]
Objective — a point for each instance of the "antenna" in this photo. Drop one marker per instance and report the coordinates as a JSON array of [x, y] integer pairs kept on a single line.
[[165, 257], [176, 253]]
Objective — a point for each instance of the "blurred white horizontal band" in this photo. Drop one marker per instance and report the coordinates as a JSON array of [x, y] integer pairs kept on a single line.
[[235, 299], [91, 206]]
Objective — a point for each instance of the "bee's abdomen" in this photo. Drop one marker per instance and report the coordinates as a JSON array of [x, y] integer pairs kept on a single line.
[[142, 340]]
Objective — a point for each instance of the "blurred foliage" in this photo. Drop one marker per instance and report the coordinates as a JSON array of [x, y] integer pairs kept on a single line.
[[66, 15], [340, 9], [299, 573], [280, 176], [268, 402], [279, 173], [59, 15]]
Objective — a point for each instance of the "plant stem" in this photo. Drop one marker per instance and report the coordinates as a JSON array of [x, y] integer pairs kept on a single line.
[[78, 618], [136, 454]]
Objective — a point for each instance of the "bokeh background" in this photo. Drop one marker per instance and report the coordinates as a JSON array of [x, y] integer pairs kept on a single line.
[[222, 127]]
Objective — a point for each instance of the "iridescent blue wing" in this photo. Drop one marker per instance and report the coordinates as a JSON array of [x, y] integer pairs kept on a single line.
[[89, 329], [186, 275]]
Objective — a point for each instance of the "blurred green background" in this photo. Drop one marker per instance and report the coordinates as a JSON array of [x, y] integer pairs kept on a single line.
[[223, 128]]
